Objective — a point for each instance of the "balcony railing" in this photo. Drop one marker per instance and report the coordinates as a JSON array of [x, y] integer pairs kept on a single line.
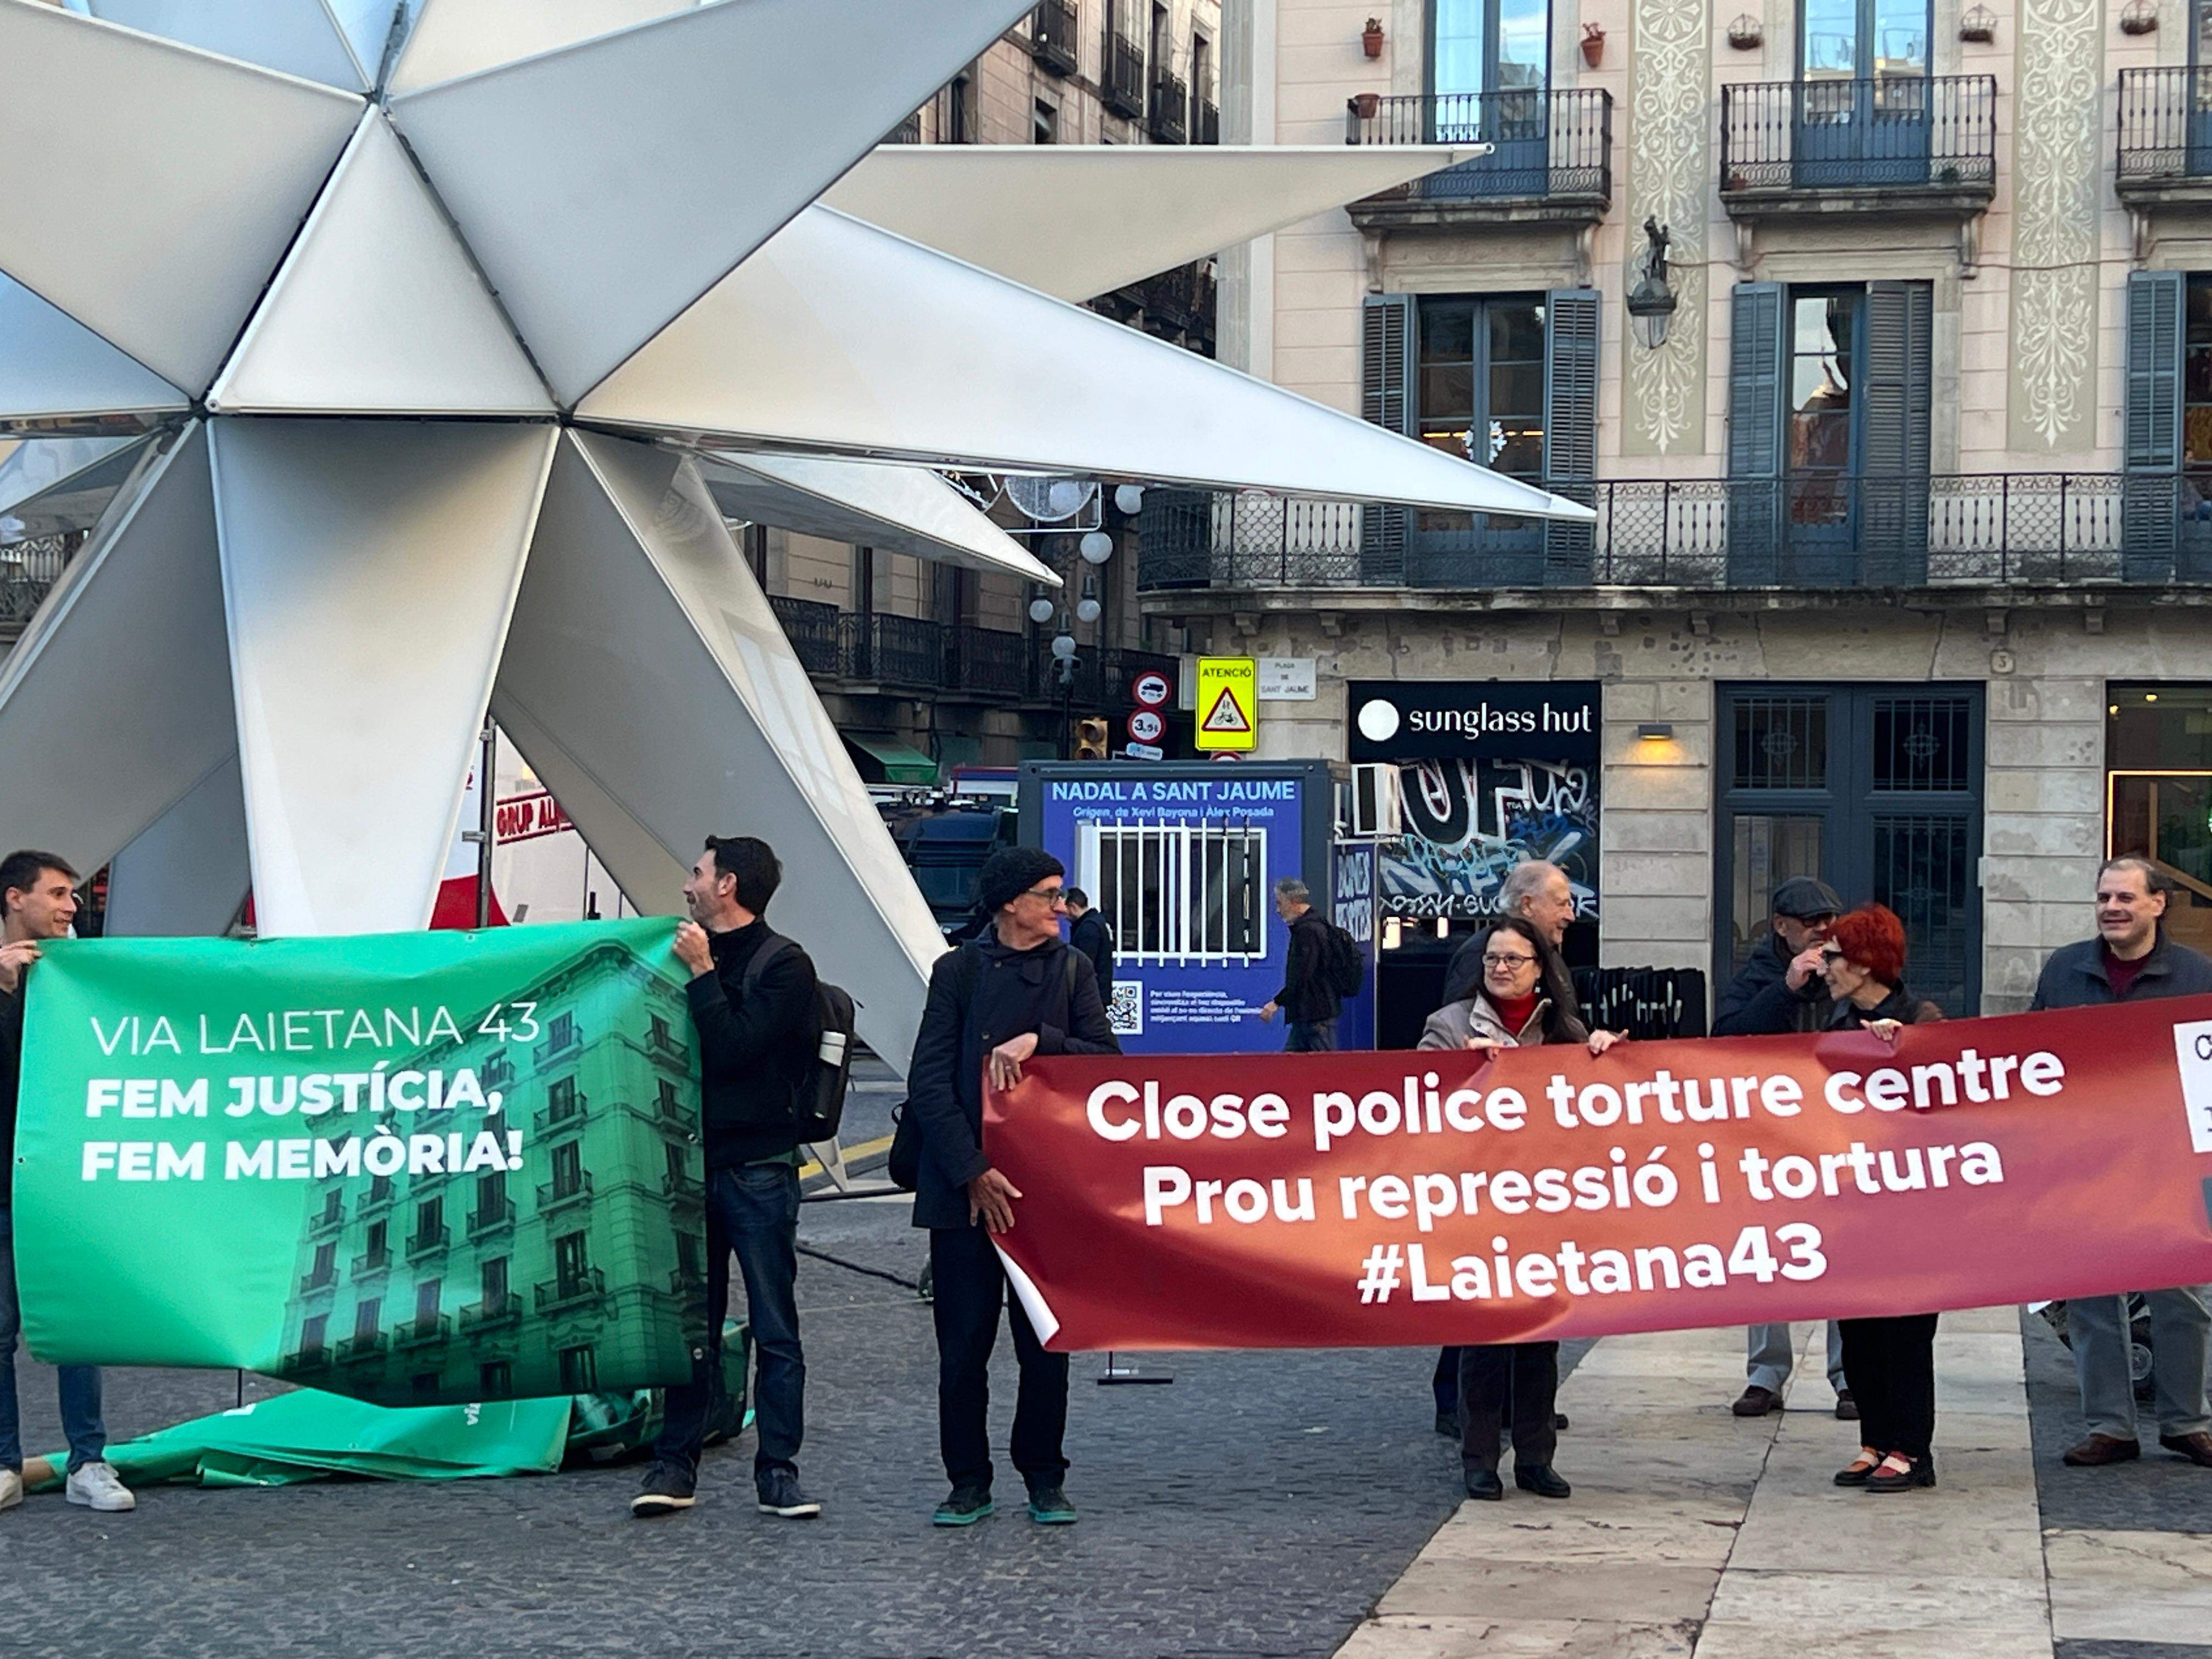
[[28, 571], [490, 1218], [812, 628], [428, 1242], [372, 1261], [326, 1220], [2164, 126], [561, 1114], [684, 1188], [1544, 144], [1929, 132], [1052, 36], [1170, 109], [890, 650], [317, 1358], [562, 1039], [1205, 123], [989, 662], [420, 1332], [318, 1279], [908, 132], [2151, 529], [572, 1290], [1123, 86], [554, 1194], [362, 1345], [491, 1313]]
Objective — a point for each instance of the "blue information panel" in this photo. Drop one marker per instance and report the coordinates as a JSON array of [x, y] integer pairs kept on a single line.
[[1353, 887], [1181, 859]]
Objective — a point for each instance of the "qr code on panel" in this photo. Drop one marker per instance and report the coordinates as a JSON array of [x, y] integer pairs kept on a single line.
[[1126, 1012]]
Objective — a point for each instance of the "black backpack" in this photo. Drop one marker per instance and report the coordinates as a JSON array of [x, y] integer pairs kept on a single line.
[[904, 1165], [817, 1091], [1342, 966]]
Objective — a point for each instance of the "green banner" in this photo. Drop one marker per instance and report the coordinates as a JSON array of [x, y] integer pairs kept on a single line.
[[412, 1168]]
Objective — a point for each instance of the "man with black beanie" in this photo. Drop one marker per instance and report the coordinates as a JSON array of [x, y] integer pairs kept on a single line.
[[752, 1001], [1018, 992]]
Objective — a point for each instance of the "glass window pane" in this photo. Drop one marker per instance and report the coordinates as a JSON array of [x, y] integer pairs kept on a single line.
[[1447, 395], [2196, 373], [1457, 51], [1524, 29], [1781, 743], [1447, 331], [1921, 744], [1517, 449], [1921, 868], [1516, 331], [1769, 851], [1831, 43], [1820, 442], [1516, 392], [1901, 37]]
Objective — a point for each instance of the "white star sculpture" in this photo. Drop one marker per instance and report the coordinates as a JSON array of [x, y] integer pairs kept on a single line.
[[426, 311]]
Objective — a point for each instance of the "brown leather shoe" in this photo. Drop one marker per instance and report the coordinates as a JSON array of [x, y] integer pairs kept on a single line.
[[2197, 1448], [1755, 1402], [2100, 1450]]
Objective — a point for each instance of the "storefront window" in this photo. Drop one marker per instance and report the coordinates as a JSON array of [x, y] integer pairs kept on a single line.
[[2158, 756]]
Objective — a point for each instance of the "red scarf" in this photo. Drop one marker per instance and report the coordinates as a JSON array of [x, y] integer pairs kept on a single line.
[[1516, 1011]]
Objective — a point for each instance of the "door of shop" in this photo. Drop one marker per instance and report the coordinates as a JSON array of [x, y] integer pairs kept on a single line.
[[1877, 790]]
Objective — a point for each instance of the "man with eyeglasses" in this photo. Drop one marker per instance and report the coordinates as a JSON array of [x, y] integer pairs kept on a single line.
[[1019, 991]]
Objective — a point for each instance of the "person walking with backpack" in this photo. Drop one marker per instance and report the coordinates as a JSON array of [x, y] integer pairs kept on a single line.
[[753, 997], [992, 1005], [1313, 978]]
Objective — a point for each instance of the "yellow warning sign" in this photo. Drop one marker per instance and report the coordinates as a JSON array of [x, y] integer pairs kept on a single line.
[[1228, 702]]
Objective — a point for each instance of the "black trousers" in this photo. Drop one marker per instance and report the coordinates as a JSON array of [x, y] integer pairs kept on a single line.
[[1890, 1365], [1520, 1380], [971, 1287], [1444, 1381]]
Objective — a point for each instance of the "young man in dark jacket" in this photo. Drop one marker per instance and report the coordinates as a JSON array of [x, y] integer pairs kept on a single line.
[[1308, 1001], [2131, 960], [752, 1002], [1780, 991], [992, 1005], [1088, 933]]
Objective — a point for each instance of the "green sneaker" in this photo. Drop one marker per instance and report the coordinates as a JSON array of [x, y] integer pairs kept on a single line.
[[1049, 1506], [965, 1507]]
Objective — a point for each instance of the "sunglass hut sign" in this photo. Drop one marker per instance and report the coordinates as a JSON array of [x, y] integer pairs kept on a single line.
[[1551, 720]]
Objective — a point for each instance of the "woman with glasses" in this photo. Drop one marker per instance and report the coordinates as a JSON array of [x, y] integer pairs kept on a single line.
[[1522, 1000], [1890, 1364]]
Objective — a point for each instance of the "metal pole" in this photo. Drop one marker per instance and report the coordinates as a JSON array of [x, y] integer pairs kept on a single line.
[[487, 821]]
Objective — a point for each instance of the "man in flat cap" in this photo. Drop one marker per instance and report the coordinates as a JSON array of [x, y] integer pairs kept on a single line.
[[1779, 991], [1018, 991]]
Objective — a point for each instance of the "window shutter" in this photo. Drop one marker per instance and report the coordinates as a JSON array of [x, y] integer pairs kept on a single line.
[[1894, 485], [1387, 399], [1571, 339], [1754, 437], [2150, 499]]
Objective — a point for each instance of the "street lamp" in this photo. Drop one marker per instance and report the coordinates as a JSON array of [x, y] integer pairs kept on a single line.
[[1651, 302]]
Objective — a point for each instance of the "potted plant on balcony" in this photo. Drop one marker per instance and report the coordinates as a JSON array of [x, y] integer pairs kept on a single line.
[[1364, 104], [1592, 44], [1370, 38]]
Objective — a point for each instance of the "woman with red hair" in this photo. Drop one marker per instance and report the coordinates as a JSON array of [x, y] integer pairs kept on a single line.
[[1890, 1364]]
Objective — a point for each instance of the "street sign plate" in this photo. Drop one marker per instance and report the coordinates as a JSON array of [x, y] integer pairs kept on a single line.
[[1150, 689], [1144, 751], [1147, 725], [1228, 703]]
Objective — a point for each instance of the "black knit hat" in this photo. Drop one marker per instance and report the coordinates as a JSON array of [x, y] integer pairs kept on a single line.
[[1012, 870]]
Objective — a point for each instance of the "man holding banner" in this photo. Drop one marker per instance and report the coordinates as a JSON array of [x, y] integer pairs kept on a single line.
[[2132, 960], [38, 891]]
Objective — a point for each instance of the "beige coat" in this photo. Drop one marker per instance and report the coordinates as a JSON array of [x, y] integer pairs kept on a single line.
[[1451, 1025]]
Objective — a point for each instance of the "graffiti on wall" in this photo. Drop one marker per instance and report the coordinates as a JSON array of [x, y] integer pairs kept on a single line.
[[1468, 822]]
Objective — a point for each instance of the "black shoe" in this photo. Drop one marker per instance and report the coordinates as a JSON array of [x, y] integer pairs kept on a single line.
[[965, 1507], [1855, 1473], [1917, 1472], [1847, 1409], [780, 1495], [1485, 1485], [1447, 1424], [1558, 1422], [1755, 1402], [1544, 1481], [1049, 1506], [667, 1487]]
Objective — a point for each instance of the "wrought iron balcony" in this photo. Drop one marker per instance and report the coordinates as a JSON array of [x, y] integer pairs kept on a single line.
[[561, 1114], [380, 1194], [1123, 84], [908, 132], [1546, 146], [2165, 134], [554, 1194], [317, 1358], [490, 1218], [812, 628], [372, 1261], [319, 1279], [989, 662], [684, 1188], [490, 1314], [1052, 37], [1206, 125], [1887, 141], [328, 1220], [362, 1345], [28, 571], [887, 650], [428, 1242], [419, 1333], [677, 1112], [572, 1290], [1170, 109], [1811, 532]]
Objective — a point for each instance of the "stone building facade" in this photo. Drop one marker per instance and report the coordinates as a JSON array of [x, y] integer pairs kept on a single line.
[[1901, 558]]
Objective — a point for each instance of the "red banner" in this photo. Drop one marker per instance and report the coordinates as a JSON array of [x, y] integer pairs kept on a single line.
[[1367, 1199]]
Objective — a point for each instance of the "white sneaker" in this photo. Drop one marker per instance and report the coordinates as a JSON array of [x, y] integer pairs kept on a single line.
[[11, 1489], [97, 1487]]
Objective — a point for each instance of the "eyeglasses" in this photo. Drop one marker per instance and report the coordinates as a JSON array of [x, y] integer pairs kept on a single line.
[[1049, 895], [1492, 959], [1832, 955]]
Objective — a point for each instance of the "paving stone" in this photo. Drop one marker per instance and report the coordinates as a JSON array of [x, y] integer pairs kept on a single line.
[[1407, 1637], [2132, 1586]]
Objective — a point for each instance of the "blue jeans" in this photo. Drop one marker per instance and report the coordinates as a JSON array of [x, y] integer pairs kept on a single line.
[[753, 1210], [1311, 1037], [2179, 1322], [80, 1390]]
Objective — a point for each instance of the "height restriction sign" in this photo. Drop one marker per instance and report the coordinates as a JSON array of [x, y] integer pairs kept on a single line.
[[1228, 702]]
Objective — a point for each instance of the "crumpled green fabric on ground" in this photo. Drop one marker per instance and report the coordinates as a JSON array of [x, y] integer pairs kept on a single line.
[[308, 1435]]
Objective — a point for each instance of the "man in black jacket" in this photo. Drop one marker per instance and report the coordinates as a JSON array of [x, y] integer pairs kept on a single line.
[[1089, 933], [992, 1005], [2132, 960], [752, 1001], [1779, 991], [1309, 999]]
